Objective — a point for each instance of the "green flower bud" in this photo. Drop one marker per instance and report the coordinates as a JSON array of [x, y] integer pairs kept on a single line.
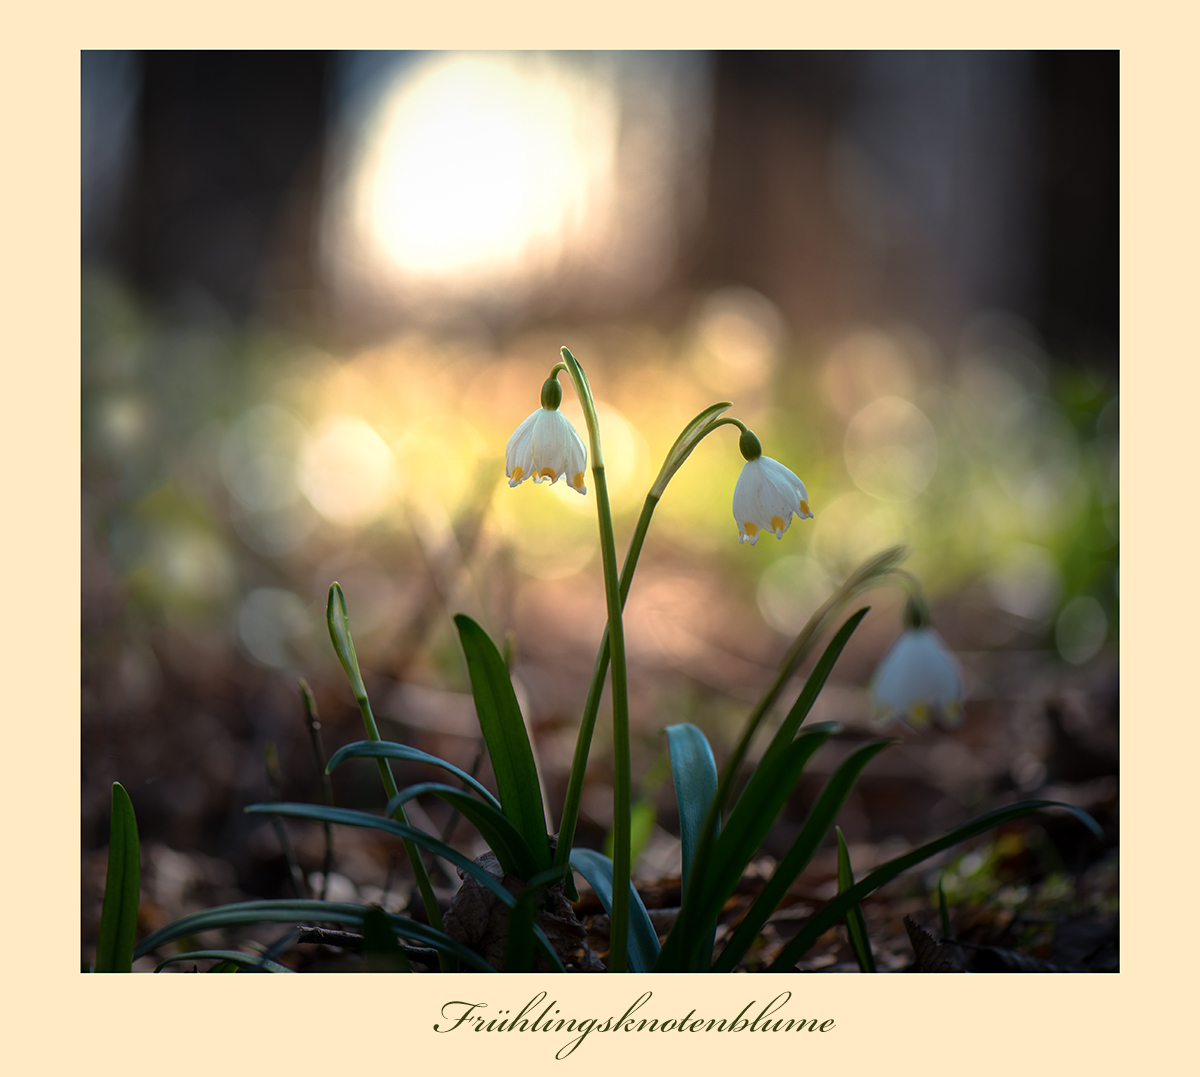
[[916, 613], [749, 444], [551, 394]]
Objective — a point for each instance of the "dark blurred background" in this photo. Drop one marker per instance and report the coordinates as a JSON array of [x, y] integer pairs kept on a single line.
[[321, 289]]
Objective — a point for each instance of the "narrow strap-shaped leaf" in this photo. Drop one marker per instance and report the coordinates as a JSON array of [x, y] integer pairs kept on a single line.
[[643, 940], [296, 911], [519, 944], [381, 949], [118, 917], [748, 826], [349, 817], [235, 957], [812, 689], [797, 858], [387, 749], [505, 841], [856, 923], [506, 737], [695, 774], [673, 953], [832, 911]]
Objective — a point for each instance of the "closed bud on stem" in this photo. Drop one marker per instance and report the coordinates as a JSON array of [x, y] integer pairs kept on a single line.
[[551, 394], [750, 446]]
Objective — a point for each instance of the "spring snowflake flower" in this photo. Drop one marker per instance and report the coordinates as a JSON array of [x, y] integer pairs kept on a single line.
[[767, 494], [918, 679], [546, 446]]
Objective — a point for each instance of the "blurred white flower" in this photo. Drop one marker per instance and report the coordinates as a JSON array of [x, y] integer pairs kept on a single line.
[[765, 498], [546, 446], [918, 679]]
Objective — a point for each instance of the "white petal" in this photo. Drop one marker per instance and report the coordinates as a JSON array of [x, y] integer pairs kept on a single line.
[[766, 497], [517, 454], [556, 450], [917, 678]]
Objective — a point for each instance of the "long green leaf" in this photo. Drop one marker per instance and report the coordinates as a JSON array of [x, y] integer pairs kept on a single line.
[[506, 737], [351, 817], [519, 945], [348, 817], [746, 829], [643, 940], [236, 957], [387, 749], [856, 923], [382, 951], [811, 690], [506, 842], [689, 437], [832, 911], [694, 771], [797, 858], [296, 911], [673, 949], [118, 917]]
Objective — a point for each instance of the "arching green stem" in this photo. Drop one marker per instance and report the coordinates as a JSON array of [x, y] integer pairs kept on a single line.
[[620, 692], [691, 436]]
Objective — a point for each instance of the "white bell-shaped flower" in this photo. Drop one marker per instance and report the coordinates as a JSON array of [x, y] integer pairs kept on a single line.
[[546, 447], [917, 680], [766, 497]]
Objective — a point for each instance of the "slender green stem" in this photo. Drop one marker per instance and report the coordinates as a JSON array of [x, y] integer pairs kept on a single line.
[[622, 767], [695, 432], [622, 780], [587, 725]]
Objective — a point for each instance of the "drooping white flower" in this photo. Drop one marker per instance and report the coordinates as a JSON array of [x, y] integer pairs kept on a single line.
[[546, 446], [766, 497], [917, 680]]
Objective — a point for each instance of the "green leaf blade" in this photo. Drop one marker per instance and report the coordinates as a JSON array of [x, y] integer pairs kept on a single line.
[[381, 948], [694, 771], [812, 688], [832, 911], [522, 932], [504, 839], [297, 911], [797, 858], [643, 940], [387, 749], [349, 817], [856, 923], [118, 917], [234, 957], [507, 739], [767, 792]]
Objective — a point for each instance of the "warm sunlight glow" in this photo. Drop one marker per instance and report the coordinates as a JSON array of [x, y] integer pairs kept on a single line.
[[347, 471], [488, 165]]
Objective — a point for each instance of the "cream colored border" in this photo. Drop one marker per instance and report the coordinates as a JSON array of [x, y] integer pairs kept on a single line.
[[52, 1017]]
